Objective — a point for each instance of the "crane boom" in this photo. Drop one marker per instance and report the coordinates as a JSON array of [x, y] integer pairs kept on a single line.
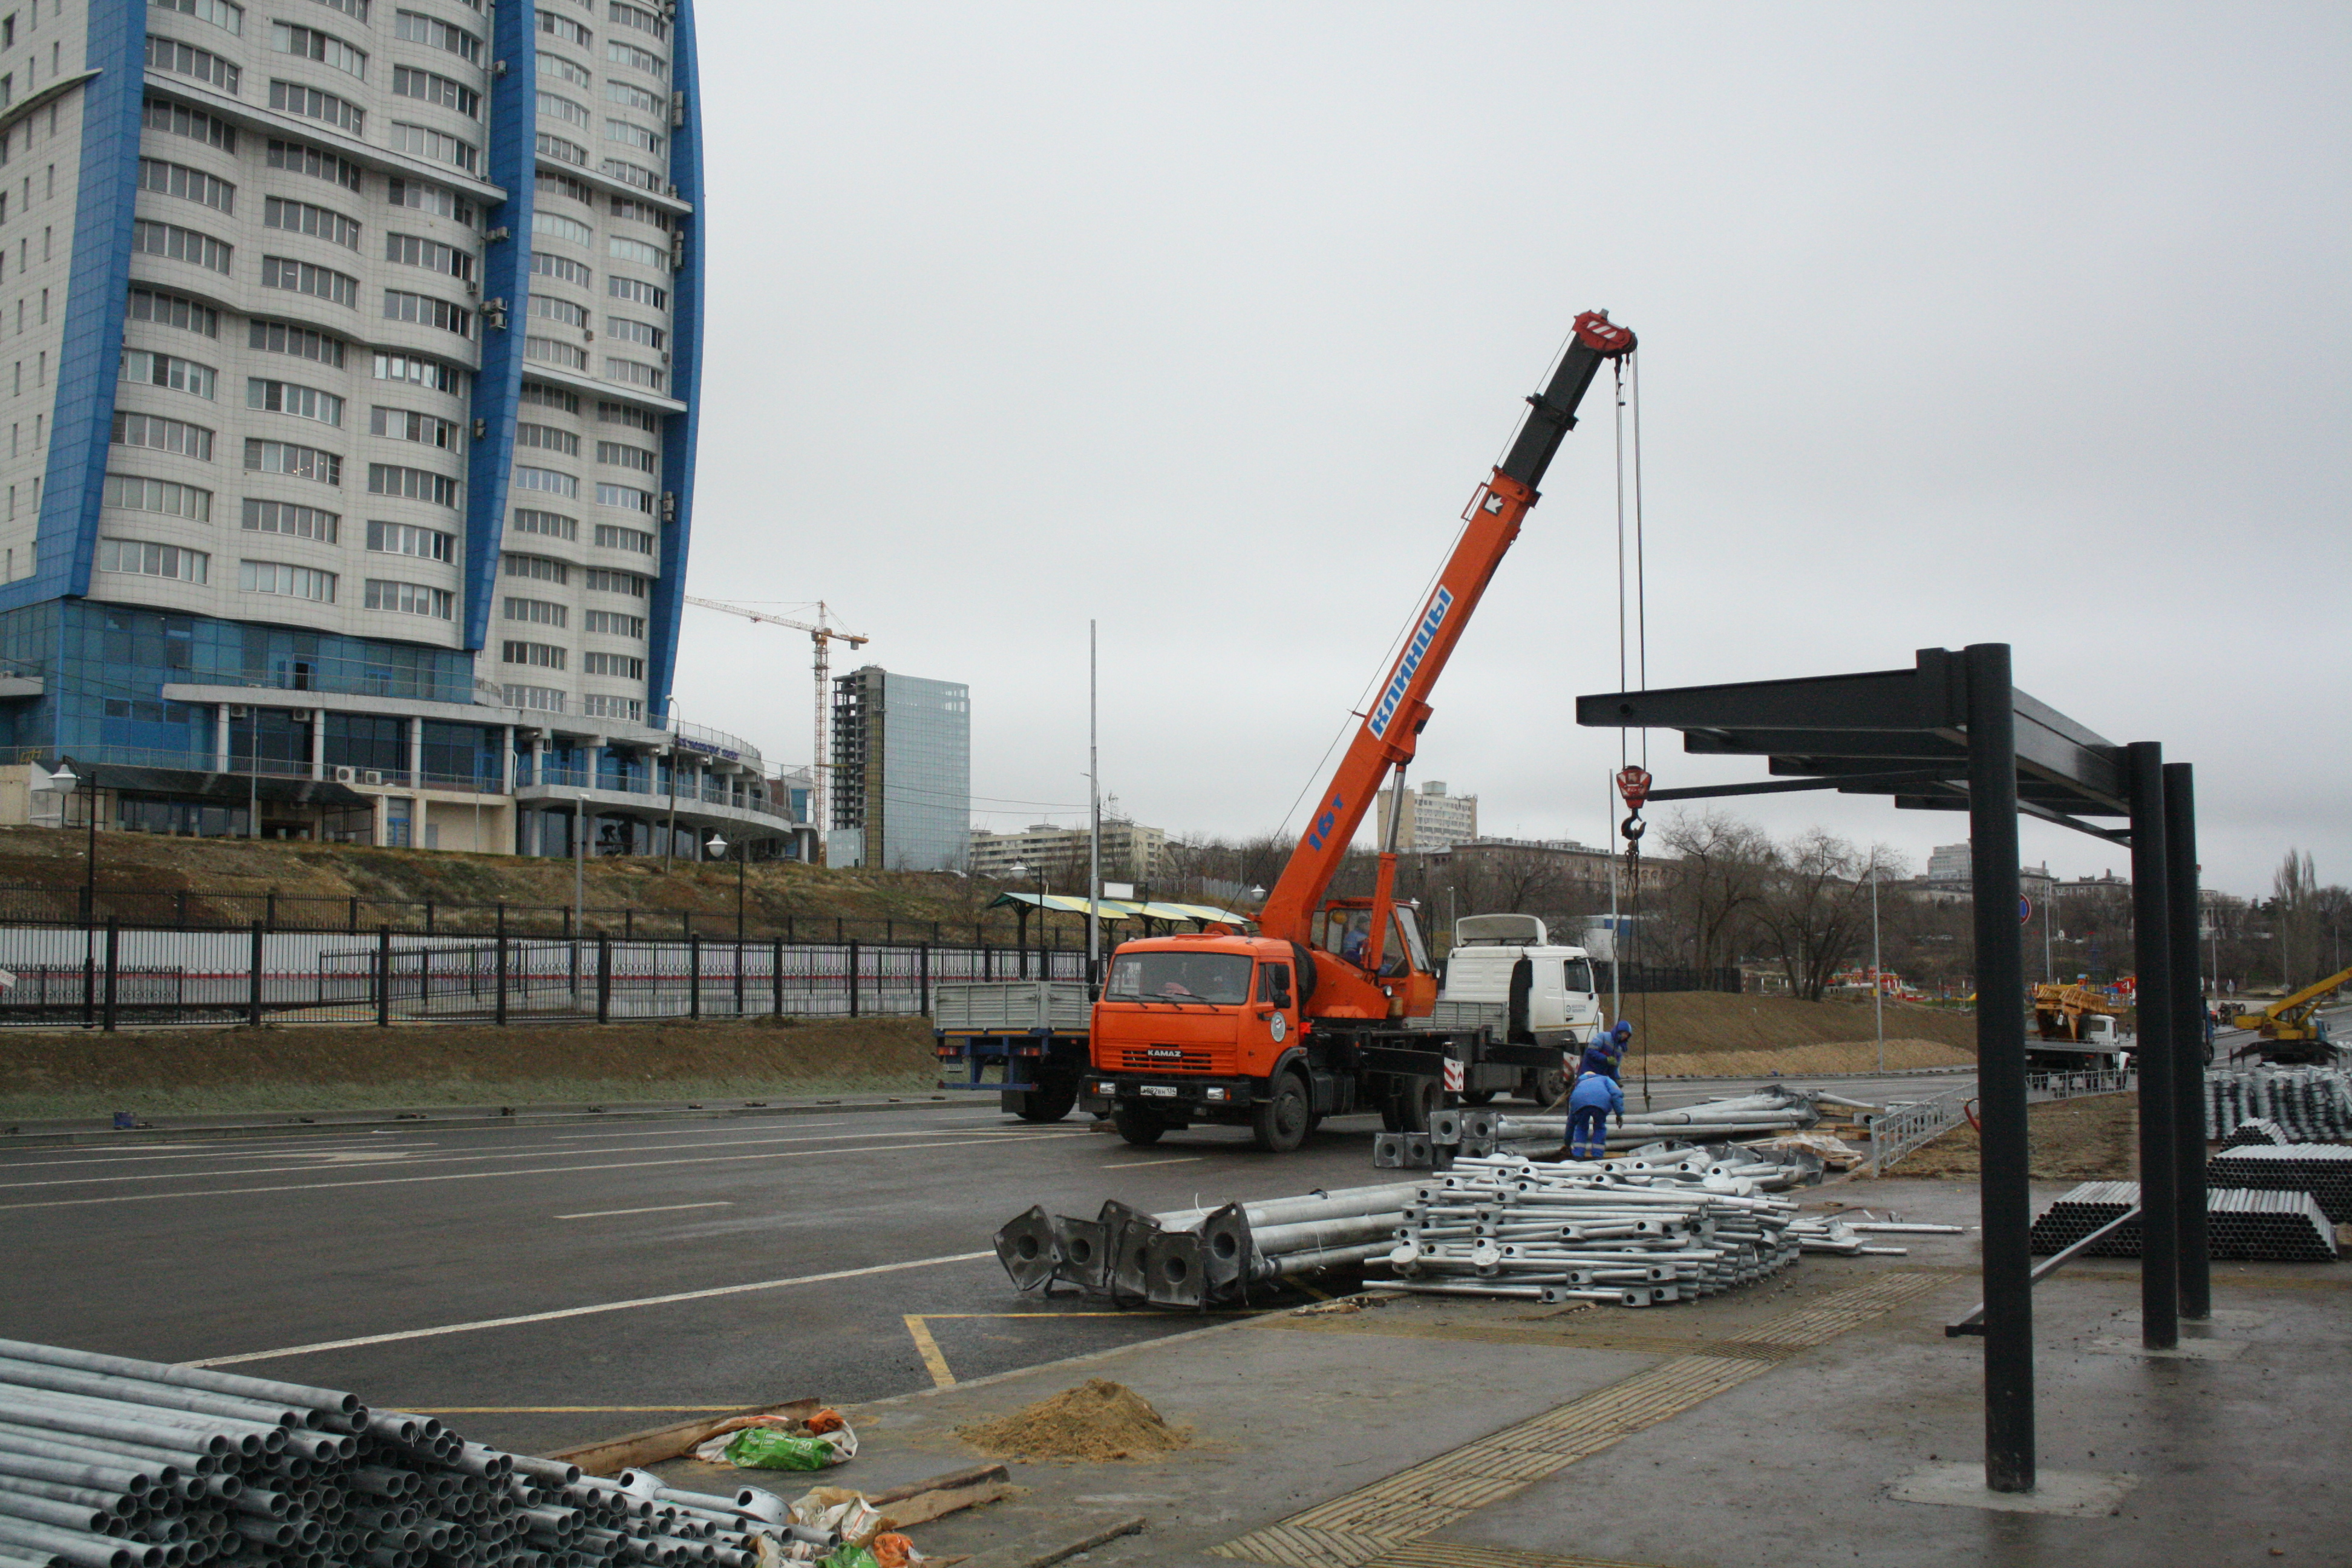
[[823, 635], [1390, 731]]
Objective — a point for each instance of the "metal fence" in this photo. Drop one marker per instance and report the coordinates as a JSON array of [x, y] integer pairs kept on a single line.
[[116, 974], [1637, 979]]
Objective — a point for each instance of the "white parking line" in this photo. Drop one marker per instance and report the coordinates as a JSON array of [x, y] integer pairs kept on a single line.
[[492, 1176], [586, 1311], [658, 1208], [1138, 1165]]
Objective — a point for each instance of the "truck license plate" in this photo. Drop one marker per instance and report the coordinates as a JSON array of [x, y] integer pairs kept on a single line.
[[1164, 1090]]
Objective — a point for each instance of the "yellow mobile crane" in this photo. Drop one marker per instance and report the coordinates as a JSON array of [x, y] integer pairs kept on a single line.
[[2290, 1028]]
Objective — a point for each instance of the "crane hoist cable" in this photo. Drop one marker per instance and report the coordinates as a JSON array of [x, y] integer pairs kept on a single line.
[[1632, 778]]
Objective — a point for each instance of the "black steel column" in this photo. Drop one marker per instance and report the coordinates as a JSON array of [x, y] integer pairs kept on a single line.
[[2160, 1255], [113, 965], [2188, 1042], [383, 976], [2007, 1205]]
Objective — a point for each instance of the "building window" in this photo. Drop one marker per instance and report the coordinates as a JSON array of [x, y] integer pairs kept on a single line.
[[544, 396], [625, 496], [637, 211], [637, 251], [555, 226], [177, 119], [626, 666], [295, 521], [635, 174], [548, 480], [172, 311], [563, 152], [613, 623], [632, 17], [548, 438], [636, 418], [547, 655], [175, 436], [167, 370], [635, 59], [180, 244], [296, 462], [357, 10], [620, 455], [309, 44], [412, 599], [637, 291], [279, 338], [407, 538], [434, 87], [185, 59], [293, 98], [219, 13], [634, 374], [564, 27], [399, 305], [634, 332], [636, 96], [629, 707], [556, 66], [537, 612], [414, 251], [629, 133], [301, 217], [293, 582], [540, 698], [153, 560], [627, 583], [430, 198], [552, 351], [188, 185], [288, 398], [302, 278], [556, 106], [420, 372], [562, 269], [132, 493], [424, 142], [296, 158], [549, 308], [553, 524], [418, 28], [564, 185], [404, 425], [539, 567], [631, 539], [415, 484]]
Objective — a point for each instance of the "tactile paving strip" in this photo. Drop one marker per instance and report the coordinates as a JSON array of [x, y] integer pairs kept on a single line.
[[1374, 1524], [1446, 1554]]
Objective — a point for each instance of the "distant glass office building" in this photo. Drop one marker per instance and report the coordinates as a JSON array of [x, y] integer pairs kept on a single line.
[[902, 773], [351, 373]]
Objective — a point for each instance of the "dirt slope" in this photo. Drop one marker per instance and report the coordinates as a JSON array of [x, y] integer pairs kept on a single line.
[[2091, 1140]]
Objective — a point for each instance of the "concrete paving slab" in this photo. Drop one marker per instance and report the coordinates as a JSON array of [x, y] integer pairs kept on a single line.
[[2081, 1494], [2222, 1319], [2187, 1350]]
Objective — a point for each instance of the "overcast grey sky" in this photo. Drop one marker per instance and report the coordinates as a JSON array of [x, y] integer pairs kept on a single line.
[[1958, 323]]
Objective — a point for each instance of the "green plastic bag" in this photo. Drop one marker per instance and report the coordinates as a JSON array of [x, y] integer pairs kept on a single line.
[[765, 1448], [847, 1556]]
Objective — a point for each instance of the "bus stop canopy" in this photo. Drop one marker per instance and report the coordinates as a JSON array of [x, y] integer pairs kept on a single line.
[[1121, 908]]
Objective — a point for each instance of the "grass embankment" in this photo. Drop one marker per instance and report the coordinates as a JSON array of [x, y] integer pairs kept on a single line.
[[2091, 1140], [191, 1072], [1712, 1033], [138, 865]]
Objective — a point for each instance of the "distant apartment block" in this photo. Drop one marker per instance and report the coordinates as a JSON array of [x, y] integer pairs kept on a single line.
[[901, 786], [1131, 852], [1433, 820]]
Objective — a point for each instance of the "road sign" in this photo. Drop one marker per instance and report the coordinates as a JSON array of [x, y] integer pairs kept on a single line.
[[2024, 912]]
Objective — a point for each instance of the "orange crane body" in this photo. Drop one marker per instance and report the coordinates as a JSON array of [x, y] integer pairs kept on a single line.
[[1309, 1016]]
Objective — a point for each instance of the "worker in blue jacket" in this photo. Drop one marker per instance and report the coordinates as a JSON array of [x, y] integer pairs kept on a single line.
[[1596, 1096]]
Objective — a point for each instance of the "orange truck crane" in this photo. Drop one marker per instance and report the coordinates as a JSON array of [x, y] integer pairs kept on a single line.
[[1327, 1009]]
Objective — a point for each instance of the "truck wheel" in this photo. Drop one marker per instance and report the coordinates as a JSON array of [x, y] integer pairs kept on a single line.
[[1478, 1096], [1280, 1121], [1545, 1085], [1137, 1125], [1391, 1119], [1049, 1101], [1416, 1101]]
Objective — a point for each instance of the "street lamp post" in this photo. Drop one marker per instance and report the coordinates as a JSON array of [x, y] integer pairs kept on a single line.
[[1877, 980], [1017, 872], [719, 846], [62, 784]]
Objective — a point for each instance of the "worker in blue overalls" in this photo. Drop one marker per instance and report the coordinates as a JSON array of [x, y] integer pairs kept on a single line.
[[1596, 1096]]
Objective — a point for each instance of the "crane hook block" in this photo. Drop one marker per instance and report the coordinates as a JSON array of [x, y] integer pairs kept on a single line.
[[1632, 828], [1634, 783], [1602, 336]]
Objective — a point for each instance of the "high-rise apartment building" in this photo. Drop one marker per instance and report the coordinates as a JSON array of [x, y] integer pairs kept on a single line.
[[351, 359], [1131, 851], [901, 786], [1433, 820]]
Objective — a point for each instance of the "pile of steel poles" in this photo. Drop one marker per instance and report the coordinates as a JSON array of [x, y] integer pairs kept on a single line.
[[1568, 1231], [1760, 1115], [2311, 1103], [107, 1462], [2239, 1223], [1192, 1257]]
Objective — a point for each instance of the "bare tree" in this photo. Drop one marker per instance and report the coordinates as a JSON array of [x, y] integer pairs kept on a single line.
[[1722, 868], [1816, 909], [2296, 920]]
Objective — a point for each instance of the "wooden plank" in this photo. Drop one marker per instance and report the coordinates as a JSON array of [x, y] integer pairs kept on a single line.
[[655, 1443], [975, 1475]]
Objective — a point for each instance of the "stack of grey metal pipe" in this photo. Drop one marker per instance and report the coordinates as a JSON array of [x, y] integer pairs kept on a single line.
[[108, 1462], [2311, 1103], [1456, 1133], [1192, 1257], [1576, 1230]]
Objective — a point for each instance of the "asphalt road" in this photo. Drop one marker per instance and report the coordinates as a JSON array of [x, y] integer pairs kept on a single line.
[[221, 1250]]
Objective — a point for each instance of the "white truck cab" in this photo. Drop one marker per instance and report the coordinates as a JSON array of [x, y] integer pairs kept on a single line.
[[1507, 973]]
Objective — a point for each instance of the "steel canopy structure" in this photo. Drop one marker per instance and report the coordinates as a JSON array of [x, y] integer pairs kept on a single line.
[[1953, 734]]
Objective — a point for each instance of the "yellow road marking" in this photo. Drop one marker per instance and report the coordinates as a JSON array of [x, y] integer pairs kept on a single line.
[[928, 1349]]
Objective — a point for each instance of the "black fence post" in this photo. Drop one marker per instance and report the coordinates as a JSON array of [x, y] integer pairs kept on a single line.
[[354, 919], [694, 977], [853, 980], [923, 975], [776, 976], [502, 965], [270, 909], [987, 962], [180, 907], [836, 928], [2159, 1174], [738, 977], [629, 923], [2187, 1041], [788, 931], [603, 978], [253, 990], [2005, 1199], [113, 964], [89, 965], [383, 976], [428, 917]]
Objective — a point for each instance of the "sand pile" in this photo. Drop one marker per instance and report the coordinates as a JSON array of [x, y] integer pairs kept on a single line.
[[1098, 1420]]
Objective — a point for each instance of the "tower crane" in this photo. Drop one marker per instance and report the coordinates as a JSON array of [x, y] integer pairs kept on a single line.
[[823, 633]]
